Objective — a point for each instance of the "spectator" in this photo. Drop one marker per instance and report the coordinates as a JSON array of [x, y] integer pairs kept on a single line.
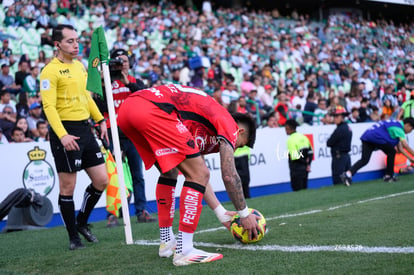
[[363, 111], [254, 106], [42, 21], [43, 130], [272, 120], [8, 82], [392, 105], [320, 111], [31, 82], [352, 102], [22, 124], [373, 100], [375, 114], [354, 116], [5, 100], [6, 50], [3, 138], [22, 106], [35, 115], [299, 99], [310, 108], [7, 121], [22, 72], [246, 85], [229, 94], [282, 108], [387, 109], [45, 38], [267, 98], [17, 135]]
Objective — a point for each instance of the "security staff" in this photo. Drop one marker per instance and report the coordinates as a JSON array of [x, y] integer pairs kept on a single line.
[[300, 156], [242, 160], [340, 143], [407, 108]]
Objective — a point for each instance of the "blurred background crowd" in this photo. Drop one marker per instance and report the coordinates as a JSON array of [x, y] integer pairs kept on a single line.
[[274, 66]]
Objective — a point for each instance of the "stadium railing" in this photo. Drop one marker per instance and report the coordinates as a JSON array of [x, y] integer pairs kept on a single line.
[[317, 116]]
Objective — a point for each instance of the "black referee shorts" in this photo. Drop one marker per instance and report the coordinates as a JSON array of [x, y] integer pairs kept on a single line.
[[89, 154]]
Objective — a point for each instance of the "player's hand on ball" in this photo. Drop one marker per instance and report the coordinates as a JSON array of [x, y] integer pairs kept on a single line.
[[250, 225], [229, 215], [240, 231]]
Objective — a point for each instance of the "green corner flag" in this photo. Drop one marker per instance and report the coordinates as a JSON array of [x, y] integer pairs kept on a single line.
[[99, 53]]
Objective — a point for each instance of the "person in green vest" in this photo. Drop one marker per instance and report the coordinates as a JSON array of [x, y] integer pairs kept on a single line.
[[407, 108], [300, 156], [242, 160]]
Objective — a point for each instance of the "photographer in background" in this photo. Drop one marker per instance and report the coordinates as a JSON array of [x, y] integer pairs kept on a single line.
[[123, 85]]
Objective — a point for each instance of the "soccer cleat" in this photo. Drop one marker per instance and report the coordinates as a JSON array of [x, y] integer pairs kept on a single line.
[[388, 178], [86, 232], [76, 244], [167, 248], [145, 217], [345, 179], [195, 256]]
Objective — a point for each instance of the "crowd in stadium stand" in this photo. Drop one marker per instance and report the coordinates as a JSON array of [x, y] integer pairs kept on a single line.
[[274, 67]]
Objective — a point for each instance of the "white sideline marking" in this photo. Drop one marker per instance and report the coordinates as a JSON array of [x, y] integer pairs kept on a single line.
[[307, 248], [297, 248]]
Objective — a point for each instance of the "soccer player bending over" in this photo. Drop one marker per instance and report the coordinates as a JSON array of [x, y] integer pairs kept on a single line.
[[172, 126]]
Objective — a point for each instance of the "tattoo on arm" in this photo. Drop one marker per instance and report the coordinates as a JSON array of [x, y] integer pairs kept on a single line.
[[230, 176]]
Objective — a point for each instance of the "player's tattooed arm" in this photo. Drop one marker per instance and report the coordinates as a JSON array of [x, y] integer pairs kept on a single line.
[[230, 176]]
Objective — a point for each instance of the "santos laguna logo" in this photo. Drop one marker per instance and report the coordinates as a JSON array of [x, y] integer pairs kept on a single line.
[[38, 174]]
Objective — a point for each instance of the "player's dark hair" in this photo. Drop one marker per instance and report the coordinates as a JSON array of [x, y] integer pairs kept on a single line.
[[292, 124], [409, 120], [248, 121], [57, 34]]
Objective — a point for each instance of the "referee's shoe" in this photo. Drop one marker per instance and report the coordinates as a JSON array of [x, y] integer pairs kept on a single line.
[[87, 233]]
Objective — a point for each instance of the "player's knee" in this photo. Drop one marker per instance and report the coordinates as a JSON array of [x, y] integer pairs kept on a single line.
[[101, 183], [204, 174]]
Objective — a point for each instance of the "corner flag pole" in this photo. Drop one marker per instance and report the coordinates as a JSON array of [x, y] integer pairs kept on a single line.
[[99, 55], [117, 152]]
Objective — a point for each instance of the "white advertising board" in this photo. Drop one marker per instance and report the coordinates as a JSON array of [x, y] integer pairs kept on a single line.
[[31, 165]]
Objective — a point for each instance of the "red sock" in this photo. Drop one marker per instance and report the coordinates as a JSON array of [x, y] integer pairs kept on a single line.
[[190, 206], [165, 194]]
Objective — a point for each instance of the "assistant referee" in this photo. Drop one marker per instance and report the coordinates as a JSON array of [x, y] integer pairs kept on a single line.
[[68, 107]]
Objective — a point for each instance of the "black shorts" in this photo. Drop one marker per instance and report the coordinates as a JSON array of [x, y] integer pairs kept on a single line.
[[89, 154]]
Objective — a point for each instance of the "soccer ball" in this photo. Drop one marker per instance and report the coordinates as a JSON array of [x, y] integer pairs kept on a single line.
[[237, 228]]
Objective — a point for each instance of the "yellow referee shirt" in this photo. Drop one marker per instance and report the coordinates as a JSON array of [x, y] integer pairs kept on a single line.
[[64, 94]]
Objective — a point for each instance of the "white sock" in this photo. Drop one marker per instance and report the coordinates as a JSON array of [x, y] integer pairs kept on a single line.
[[166, 234], [187, 242], [348, 174]]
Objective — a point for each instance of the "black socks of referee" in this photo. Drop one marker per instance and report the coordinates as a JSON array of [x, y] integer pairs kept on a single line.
[[90, 198], [67, 210]]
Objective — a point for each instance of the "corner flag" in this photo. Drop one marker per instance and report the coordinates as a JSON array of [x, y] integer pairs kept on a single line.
[[99, 57], [99, 53]]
